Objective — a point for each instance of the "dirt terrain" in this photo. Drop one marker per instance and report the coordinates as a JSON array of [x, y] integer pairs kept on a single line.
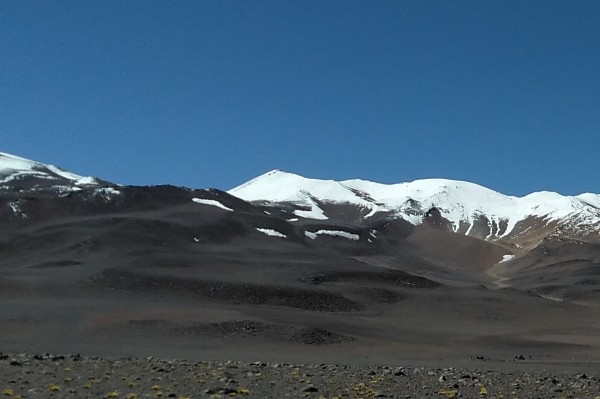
[[154, 274]]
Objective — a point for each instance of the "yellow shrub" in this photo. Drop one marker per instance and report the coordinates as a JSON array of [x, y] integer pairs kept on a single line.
[[53, 388]]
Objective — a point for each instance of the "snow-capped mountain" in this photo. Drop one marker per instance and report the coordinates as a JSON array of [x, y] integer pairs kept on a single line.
[[351, 206], [465, 207], [21, 173]]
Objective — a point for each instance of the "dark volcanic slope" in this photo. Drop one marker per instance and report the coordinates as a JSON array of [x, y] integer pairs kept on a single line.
[[199, 273]]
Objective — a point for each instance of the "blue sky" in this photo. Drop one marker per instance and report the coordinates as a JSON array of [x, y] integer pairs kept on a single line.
[[212, 93]]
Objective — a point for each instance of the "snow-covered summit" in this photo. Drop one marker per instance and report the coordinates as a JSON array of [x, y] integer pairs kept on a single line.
[[14, 170], [465, 205]]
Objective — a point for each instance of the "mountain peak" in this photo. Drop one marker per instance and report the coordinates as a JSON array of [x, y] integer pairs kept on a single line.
[[27, 174]]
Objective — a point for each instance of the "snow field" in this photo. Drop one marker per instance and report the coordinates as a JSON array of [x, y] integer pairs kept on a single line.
[[211, 203]]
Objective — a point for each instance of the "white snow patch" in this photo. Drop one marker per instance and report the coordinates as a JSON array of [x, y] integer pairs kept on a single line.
[[311, 235], [469, 229], [112, 191], [107, 192], [21, 174], [552, 298], [506, 258], [491, 226], [16, 208], [338, 233], [314, 213], [590, 199], [211, 203], [374, 210], [78, 180], [66, 189], [271, 232]]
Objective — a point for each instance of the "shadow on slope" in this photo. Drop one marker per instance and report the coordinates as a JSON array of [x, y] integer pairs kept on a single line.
[[236, 292]]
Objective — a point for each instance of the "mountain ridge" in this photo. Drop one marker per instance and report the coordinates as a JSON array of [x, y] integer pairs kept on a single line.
[[461, 206], [465, 205]]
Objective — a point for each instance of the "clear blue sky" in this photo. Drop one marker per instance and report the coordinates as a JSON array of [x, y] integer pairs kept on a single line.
[[212, 93]]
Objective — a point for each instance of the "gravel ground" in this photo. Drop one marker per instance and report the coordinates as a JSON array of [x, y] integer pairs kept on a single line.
[[51, 376]]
